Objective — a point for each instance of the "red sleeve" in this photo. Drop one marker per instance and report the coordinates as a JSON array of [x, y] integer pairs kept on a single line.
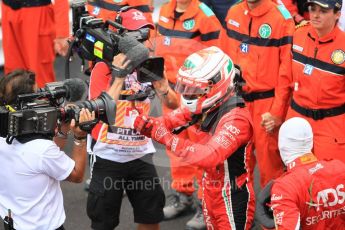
[[176, 118], [61, 9], [283, 202], [99, 80], [283, 89], [233, 131]]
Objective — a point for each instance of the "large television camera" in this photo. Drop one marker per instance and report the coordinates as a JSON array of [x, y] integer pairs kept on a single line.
[[95, 40], [40, 112]]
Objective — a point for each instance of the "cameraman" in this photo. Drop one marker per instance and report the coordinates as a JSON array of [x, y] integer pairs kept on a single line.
[[33, 166], [123, 156]]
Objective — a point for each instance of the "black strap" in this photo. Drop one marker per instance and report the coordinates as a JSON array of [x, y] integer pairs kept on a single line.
[[10, 226], [318, 114], [210, 122], [60, 228], [141, 96], [250, 97], [115, 7], [17, 4]]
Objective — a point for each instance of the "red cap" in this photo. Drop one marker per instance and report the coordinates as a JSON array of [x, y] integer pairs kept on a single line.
[[134, 19]]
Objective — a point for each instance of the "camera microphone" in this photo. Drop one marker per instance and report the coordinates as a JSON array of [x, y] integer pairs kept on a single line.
[[73, 90], [135, 51], [76, 89]]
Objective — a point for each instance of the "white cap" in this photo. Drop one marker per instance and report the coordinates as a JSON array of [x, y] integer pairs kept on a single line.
[[295, 139]]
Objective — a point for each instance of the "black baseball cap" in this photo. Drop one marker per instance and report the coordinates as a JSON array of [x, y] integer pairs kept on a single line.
[[329, 4]]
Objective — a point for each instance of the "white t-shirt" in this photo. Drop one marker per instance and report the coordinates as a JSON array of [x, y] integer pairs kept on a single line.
[[122, 143], [29, 183]]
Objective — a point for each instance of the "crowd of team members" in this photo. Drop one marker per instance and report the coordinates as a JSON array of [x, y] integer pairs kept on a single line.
[[293, 64]]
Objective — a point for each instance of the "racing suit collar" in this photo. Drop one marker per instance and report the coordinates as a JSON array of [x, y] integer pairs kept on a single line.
[[190, 12], [325, 39], [261, 9], [303, 160]]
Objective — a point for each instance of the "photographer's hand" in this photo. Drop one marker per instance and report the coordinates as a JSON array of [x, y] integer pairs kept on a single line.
[[79, 148], [84, 116], [120, 61], [119, 65]]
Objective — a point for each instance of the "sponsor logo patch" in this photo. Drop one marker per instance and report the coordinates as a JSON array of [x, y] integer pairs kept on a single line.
[[188, 64], [276, 197], [317, 167], [265, 31], [189, 24], [278, 218], [331, 196], [164, 19], [161, 132], [174, 144], [137, 15], [234, 23], [233, 129], [223, 141], [338, 57], [297, 47]]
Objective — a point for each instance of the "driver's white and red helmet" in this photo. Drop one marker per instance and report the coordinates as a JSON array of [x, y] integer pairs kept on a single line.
[[205, 80]]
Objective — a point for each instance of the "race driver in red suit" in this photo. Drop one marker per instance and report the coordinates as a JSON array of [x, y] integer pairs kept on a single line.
[[224, 149], [311, 194]]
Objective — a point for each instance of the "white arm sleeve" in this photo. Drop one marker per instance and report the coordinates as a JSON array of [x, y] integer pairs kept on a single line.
[[56, 163]]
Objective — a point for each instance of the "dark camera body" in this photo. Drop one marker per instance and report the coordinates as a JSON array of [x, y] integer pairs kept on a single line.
[[95, 41], [151, 70], [42, 116], [36, 120]]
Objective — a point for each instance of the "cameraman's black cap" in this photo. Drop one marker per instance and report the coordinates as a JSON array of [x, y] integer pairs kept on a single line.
[[328, 4]]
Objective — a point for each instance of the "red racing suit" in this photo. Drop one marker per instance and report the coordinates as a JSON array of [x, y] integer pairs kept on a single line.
[[310, 195], [28, 35], [224, 151], [318, 71], [177, 38]]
